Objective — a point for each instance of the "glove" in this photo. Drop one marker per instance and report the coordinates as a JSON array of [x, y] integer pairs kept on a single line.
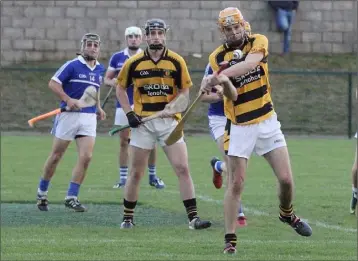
[[134, 120]]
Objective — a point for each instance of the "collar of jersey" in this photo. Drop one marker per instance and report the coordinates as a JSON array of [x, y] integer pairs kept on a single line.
[[82, 60], [164, 54], [126, 52]]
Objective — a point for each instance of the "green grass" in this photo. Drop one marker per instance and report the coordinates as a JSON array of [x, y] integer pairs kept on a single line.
[[322, 176]]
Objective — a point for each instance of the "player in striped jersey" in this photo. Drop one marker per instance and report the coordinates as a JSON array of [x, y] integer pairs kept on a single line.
[[133, 37], [159, 76], [217, 122], [69, 84], [252, 124]]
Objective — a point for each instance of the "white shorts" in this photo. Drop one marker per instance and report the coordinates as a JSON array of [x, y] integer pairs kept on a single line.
[[148, 134], [217, 126], [355, 136], [260, 138], [120, 117], [68, 125]]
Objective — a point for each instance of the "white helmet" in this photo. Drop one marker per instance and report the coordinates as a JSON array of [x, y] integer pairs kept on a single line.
[[133, 30]]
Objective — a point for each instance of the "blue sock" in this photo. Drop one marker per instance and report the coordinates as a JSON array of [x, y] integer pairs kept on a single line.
[[218, 166], [73, 189], [43, 185], [152, 172]]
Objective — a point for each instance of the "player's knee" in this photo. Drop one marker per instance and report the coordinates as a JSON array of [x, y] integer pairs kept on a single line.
[[124, 142], [181, 169], [136, 176], [56, 157], [86, 158], [286, 180], [237, 186]]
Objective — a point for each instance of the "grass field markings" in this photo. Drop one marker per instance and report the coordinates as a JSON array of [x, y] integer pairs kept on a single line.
[[256, 212], [173, 240]]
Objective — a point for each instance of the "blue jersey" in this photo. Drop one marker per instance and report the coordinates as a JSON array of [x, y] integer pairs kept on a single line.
[[115, 65], [217, 108], [75, 76]]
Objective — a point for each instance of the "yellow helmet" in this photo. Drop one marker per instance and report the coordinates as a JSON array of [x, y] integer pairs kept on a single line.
[[247, 27], [230, 16]]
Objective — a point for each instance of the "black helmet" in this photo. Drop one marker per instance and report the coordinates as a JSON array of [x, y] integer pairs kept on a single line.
[[155, 23], [88, 37]]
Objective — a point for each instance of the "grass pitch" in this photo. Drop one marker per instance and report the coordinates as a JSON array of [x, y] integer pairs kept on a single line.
[[322, 175]]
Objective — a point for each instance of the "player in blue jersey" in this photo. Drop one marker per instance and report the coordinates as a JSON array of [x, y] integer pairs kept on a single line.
[[69, 84], [133, 37], [217, 122]]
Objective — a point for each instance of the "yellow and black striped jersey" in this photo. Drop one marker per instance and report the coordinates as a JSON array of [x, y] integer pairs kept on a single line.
[[155, 84], [254, 103]]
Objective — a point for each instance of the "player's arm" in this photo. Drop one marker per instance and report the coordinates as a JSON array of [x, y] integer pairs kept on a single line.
[[210, 97], [100, 111], [122, 97], [58, 90], [229, 89], [123, 82], [109, 78], [62, 75], [255, 56], [213, 96]]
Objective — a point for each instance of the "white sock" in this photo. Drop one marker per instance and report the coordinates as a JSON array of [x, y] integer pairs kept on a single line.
[[41, 193], [123, 172]]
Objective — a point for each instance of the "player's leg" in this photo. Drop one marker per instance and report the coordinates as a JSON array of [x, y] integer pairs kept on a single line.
[[232, 199], [121, 119], [85, 137], [138, 162], [272, 145], [63, 131], [178, 157], [217, 129], [85, 145], [239, 144], [353, 204], [219, 166], [59, 147], [154, 181], [141, 143]]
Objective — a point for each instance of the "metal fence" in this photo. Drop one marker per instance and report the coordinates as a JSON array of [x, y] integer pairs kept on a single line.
[[307, 102]]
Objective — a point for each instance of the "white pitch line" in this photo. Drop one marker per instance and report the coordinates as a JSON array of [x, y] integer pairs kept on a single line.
[[256, 212], [83, 241]]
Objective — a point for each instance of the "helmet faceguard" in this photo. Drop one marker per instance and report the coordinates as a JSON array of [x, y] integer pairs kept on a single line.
[[155, 31], [90, 46], [232, 27], [133, 36]]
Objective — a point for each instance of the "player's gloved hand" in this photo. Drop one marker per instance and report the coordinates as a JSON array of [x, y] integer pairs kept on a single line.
[[134, 120]]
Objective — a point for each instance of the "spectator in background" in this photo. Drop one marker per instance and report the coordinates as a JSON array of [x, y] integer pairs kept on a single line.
[[285, 12]]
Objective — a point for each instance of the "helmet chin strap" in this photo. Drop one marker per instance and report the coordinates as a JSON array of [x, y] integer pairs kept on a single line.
[[133, 48], [156, 47]]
